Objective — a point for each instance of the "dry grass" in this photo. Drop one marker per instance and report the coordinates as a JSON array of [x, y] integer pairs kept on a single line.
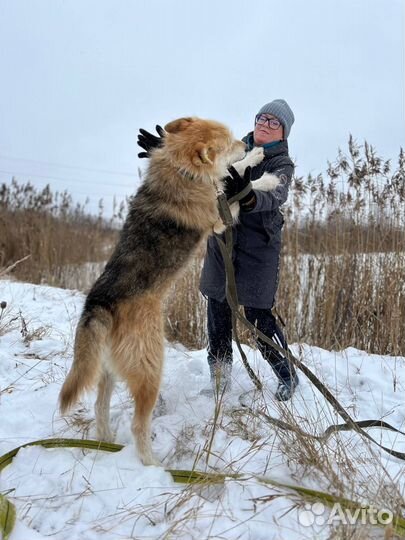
[[185, 309], [48, 230], [343, 466], [7, 323], [342, 272], [342, 276]]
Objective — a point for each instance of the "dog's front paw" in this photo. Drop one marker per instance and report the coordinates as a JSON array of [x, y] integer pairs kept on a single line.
[[105, 434], [219, 227], [235, 211], [267, 182], [255, 156], [252, 158], [150, 461]]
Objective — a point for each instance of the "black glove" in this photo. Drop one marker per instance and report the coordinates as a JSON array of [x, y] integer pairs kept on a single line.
[[149, 142], [235, 183]]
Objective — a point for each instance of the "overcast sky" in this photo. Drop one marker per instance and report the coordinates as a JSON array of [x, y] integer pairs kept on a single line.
[[80, 77]]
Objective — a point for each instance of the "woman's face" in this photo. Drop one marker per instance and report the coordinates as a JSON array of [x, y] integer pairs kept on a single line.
[[267, 129]]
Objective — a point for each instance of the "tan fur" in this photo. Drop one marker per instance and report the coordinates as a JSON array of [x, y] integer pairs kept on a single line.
[[89, 344], [127, 341], [203, 149]]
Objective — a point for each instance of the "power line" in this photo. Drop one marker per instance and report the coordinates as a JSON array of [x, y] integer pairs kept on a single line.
[[77, 167], [64, 179], [91, 196]]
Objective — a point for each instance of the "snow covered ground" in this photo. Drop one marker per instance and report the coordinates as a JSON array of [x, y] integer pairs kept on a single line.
[[71, 494]]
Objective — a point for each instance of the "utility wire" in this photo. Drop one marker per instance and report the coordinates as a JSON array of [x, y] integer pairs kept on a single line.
[[77, 167], [64, 179], [91, 196]]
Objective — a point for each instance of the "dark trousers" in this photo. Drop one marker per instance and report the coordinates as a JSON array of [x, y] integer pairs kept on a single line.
[[220, 337]]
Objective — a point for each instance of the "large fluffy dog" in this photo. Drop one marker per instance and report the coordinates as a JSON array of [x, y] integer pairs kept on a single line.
[[120, 332]]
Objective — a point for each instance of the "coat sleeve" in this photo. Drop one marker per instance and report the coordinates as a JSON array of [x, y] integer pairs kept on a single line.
[[271, 200]]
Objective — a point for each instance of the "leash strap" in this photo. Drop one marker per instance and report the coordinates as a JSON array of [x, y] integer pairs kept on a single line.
[[231, 286], [328, 431], [232, 298], [8, 511], [241, 194]]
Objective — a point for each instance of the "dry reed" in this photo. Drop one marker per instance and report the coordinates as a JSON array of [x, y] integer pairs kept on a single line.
[[342, 272], [51, 231]]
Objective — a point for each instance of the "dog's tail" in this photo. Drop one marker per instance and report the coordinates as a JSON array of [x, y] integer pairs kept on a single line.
[[90, 340]]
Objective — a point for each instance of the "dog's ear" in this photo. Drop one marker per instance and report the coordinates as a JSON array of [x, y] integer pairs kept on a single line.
[[203, 154], [178, 125]]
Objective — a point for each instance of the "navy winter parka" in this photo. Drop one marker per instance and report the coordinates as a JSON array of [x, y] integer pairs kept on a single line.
[[256, 238]]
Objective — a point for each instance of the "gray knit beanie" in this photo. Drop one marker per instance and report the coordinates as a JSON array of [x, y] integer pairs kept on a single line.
[[281, 110]]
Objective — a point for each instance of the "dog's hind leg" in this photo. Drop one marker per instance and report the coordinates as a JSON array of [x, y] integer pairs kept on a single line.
[[102, 406], [91, 335], [145, 392], [137, 355], [145, 381]]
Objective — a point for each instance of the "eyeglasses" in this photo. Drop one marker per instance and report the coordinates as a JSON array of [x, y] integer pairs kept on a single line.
[[272, 123]]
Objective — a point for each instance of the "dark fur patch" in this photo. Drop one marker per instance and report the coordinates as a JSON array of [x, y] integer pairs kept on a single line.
[[150, 250]]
